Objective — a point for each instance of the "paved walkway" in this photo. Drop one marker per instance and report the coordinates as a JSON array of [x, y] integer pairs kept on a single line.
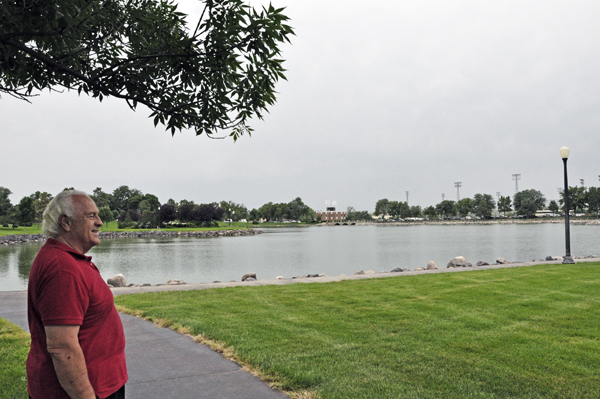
[[165, 364]]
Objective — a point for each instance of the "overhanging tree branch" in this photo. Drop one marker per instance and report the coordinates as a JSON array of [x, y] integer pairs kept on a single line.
[[218, 78]]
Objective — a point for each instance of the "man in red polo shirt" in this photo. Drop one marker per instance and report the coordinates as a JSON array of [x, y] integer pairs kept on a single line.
[[77, 340]]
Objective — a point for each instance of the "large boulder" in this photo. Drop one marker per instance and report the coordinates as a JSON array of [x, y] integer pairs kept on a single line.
[[359, 272], [176, 282], [502, 261], [458, 261], [249, 277], [482, 263], [432, 266], [117, 281]]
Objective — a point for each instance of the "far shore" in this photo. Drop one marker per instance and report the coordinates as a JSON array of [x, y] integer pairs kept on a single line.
[[18, 238]]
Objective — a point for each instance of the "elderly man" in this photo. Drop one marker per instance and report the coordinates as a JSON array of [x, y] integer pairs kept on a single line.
[[77, 340]]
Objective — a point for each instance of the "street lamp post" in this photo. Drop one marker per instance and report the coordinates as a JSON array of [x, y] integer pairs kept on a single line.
[[564, 154]]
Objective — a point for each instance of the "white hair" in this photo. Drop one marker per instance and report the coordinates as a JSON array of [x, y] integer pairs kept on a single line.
[[60, 205]]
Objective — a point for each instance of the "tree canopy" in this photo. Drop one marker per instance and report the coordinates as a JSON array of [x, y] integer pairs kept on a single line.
[[215, 77], [528, 202]]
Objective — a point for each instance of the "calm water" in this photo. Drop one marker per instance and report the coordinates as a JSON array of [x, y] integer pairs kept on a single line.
[[295, 251]]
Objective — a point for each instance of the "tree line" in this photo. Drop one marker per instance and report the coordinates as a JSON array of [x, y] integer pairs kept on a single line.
[[133, 208], [525, 203]]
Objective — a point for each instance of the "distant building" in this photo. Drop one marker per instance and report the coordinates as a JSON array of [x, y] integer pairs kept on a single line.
[[331, 215]]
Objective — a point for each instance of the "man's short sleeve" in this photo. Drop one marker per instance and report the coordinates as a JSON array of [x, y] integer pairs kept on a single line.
[[64, 300]]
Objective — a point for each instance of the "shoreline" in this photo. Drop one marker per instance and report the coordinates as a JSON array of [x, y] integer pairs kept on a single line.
[[12, 239]]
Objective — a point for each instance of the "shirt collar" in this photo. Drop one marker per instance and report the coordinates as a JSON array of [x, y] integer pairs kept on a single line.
[[59, 245]]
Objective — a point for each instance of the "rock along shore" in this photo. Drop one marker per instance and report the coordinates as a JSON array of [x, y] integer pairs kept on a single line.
[[13, 239]]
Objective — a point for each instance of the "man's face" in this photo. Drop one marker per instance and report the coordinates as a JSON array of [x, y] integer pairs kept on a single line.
[[85, 224]]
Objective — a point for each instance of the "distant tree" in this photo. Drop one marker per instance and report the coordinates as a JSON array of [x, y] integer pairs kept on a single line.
[[106, 215], [504, 204], [267, 211], [553, 207], [393, 209], [6, 208], [40, 201], [446, 208], [207, 214], [145, 210], [416, 211], [296, 209], [405, 210], [280, 211], [121, 196], [186, 211], [594, 200], [465, 206], [167, 213], [135, 201], [382, 207], [101, 198], [483, 205], [254, 214], [528, 202], [26, 211], [354, 215], [578, 199], [430, 212]]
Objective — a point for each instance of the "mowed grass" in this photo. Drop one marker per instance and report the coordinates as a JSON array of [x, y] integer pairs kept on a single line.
[[14, 347], [114, 226], [528, 332]]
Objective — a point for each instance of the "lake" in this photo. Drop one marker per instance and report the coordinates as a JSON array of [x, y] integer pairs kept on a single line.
[[333, 250]]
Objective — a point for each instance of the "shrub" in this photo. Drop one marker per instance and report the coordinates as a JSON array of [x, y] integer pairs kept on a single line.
[[255, 222]]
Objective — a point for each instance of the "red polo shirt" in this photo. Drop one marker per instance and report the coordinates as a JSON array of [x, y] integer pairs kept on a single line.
[[65, 288]]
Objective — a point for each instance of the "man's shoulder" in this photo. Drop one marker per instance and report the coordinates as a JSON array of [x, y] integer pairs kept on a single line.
[[55, 256]]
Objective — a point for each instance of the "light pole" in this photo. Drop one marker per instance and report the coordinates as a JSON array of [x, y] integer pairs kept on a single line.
[[564, 154]]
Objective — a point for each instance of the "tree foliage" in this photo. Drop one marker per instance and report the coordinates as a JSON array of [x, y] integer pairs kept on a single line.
[[446, 208], [483, 205], [578, 199], [6, 208], [217, 76], [504, 204], [26, 211], [528, 202]]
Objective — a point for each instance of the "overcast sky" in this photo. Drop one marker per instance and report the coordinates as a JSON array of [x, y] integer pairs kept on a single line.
[[382, 98]]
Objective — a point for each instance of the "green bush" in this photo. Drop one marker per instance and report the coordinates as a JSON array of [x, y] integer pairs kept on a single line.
[[255, 222]]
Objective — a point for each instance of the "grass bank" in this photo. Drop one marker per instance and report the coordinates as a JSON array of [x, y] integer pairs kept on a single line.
[[530, 332], [113, 227], [14, 347]]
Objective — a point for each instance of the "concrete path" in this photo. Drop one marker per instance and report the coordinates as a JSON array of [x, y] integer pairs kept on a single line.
[[165, 364]]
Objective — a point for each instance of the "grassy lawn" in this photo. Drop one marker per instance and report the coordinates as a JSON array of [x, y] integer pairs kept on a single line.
[[14, 346], [113, 226], [529, 332]]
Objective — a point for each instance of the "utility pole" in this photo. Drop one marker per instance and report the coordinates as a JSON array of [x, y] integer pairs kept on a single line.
[[443, 196], [407, 198], [498, 195], [457, 184], [581, 181], [516, 178]]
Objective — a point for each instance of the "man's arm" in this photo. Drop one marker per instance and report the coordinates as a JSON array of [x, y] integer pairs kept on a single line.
[[69, 363]]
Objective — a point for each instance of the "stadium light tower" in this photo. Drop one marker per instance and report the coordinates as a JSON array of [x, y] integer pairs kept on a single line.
[[457, 184], [516, 178]]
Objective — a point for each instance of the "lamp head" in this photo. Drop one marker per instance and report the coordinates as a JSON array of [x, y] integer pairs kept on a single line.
[[564, 152]]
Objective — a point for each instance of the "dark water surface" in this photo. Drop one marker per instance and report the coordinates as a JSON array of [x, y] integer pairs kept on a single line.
[[332, 250]]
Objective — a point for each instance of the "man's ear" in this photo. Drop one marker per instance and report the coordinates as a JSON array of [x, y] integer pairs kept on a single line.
[[64, 222]]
